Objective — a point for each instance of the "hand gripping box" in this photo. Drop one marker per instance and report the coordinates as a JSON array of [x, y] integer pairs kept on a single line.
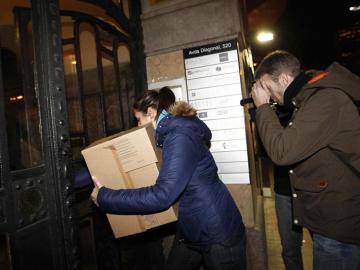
[[125, 160]]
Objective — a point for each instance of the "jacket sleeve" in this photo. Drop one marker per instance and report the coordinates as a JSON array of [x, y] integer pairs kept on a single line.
[[313, 127], [180, 158]]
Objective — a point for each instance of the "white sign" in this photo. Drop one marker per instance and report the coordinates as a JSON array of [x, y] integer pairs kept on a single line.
[[214, 89]]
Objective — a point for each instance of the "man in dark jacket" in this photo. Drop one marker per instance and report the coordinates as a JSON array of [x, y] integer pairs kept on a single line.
[[323, 140]]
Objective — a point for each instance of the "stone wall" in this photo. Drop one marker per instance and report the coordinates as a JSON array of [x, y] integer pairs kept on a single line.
[[176, 24]]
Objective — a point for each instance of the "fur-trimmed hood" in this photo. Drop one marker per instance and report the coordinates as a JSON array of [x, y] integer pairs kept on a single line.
[[182, 108], [182, 118]]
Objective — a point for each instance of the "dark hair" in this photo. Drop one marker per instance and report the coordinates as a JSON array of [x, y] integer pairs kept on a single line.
[[278, 62], [158, 99]]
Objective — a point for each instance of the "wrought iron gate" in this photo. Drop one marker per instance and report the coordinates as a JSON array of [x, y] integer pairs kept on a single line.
[[50, 116]]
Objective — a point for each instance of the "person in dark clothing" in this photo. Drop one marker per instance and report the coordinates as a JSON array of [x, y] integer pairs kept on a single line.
[[291, 235], [322, 142], [210, 228]]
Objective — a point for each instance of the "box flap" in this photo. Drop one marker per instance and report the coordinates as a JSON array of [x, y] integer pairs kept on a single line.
[[134, 148]]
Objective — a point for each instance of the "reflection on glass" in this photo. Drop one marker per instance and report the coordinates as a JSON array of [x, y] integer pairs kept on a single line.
[[72, 91], [125, 7], [95, 123], [127, 88], [88, 59], [21, 103], [91, 84], [111, 92]]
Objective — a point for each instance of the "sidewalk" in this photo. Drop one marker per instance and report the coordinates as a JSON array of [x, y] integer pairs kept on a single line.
[[273, 240]]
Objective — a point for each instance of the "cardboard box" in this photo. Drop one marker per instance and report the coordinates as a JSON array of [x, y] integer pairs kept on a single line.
[[129, 159]]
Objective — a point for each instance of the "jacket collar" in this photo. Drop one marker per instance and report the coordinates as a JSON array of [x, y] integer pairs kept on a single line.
[[310, 86], [293, 89], [335, 76], [162, 129]]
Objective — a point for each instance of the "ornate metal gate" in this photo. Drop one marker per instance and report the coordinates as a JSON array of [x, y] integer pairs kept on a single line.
[[49, 115]]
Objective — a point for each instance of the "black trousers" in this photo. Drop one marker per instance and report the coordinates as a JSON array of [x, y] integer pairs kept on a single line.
[[228, 255]]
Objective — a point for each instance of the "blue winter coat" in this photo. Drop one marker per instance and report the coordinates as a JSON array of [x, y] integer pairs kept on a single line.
[[207, 212]]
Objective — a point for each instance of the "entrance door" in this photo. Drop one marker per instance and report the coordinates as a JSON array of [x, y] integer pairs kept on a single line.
[[48, 114], [38, 228]]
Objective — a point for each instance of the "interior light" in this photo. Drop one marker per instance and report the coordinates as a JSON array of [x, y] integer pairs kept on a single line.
[[265, 36], [20, 97], [354, 8], [73, 62]]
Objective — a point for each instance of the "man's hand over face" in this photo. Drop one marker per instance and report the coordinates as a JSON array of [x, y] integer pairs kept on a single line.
[[260, 94]]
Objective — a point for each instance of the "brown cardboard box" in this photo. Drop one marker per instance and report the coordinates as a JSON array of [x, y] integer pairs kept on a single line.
[[129, 159]]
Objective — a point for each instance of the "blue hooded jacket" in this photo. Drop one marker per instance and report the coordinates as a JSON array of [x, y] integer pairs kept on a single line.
[[207, 212]]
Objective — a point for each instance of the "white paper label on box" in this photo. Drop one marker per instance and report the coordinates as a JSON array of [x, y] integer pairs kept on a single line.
[[214, 89], [130, 151]]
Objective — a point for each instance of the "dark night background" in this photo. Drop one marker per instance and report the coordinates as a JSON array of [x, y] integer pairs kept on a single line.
[[317, 32]]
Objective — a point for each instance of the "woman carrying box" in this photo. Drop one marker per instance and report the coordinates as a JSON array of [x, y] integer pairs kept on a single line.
[[210, 227]]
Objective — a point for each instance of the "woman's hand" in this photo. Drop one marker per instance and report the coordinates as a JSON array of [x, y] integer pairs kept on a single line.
[[94, 193]]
